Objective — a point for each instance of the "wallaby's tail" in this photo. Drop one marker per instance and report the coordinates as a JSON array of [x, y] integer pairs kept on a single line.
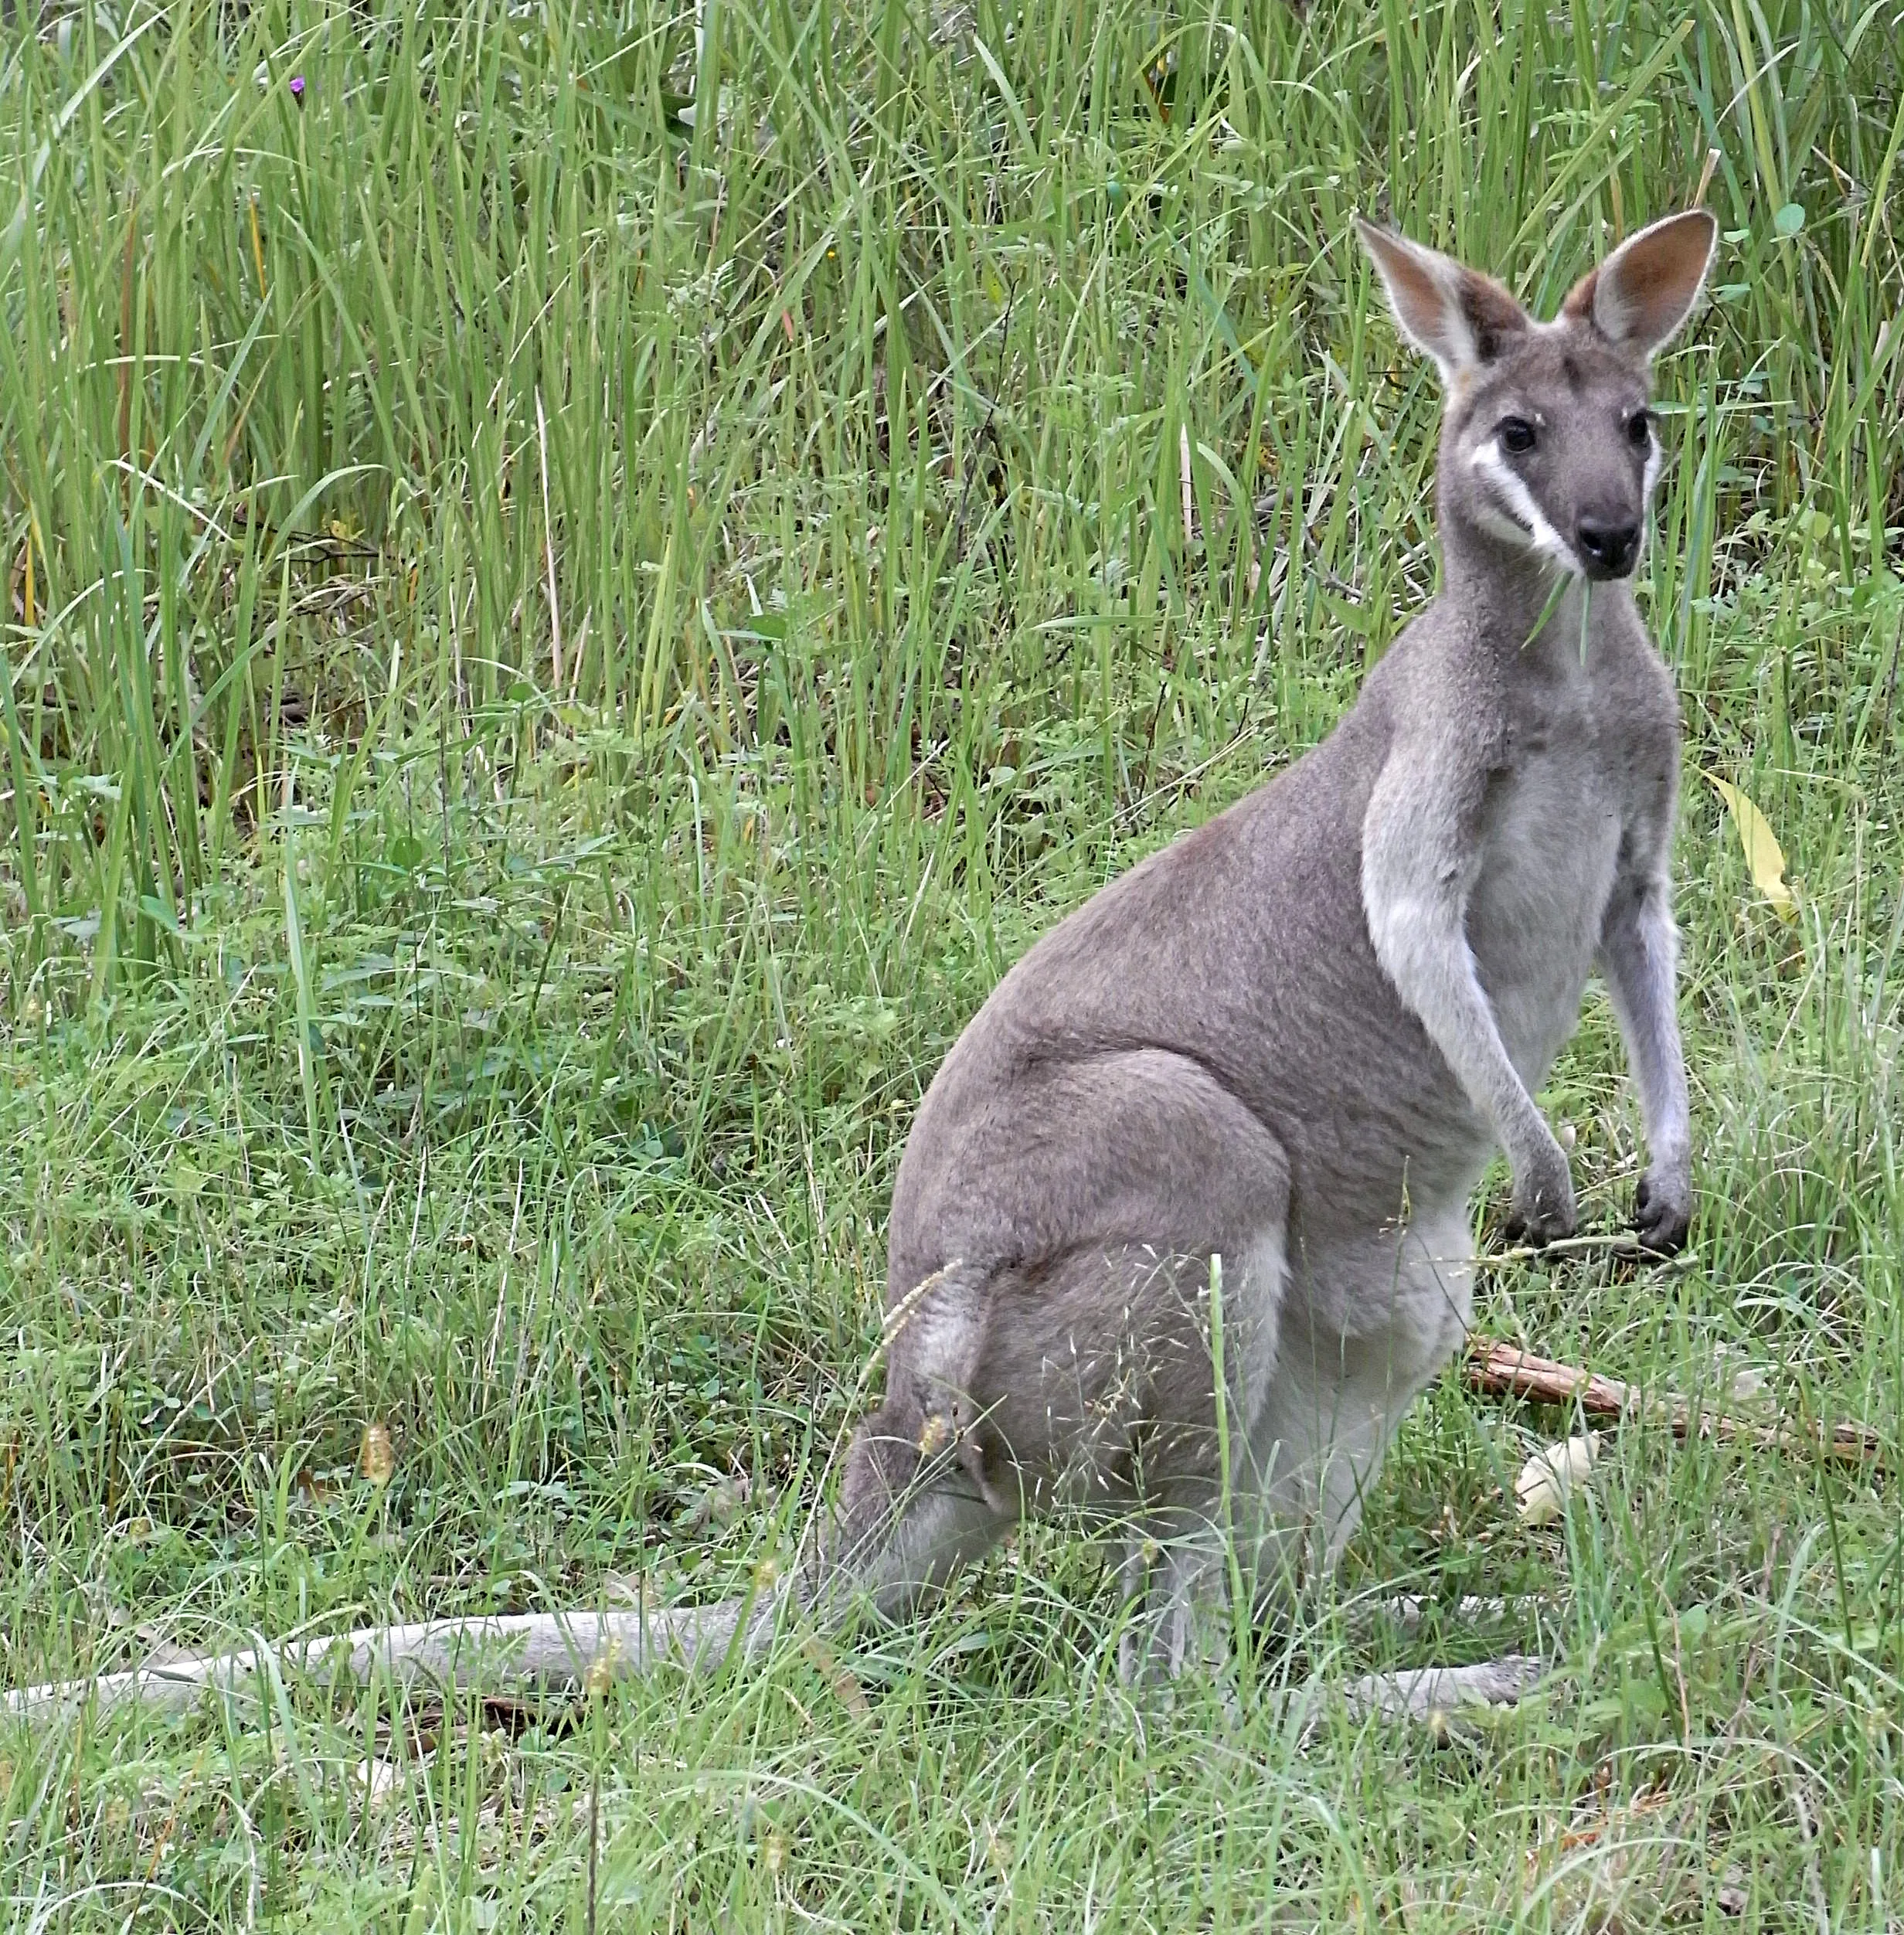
[[931, 1340], [925, 1487]]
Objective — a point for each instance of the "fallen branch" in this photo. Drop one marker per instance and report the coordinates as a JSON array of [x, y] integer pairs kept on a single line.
[[557, 1652], [1500, 1369], [543, 1651]]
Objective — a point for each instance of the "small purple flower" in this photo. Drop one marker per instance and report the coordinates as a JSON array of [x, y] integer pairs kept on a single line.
[[297, 88]]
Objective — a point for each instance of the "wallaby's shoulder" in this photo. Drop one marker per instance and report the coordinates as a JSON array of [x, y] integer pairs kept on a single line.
[[1443, 685]]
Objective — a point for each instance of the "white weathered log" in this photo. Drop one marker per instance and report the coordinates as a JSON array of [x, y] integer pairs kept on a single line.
[[1428, 1690], [502, 1654], [554, 1651], [1433, 1694]]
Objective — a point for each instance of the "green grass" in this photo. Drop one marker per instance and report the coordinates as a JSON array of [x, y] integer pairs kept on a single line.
[[556, 647]]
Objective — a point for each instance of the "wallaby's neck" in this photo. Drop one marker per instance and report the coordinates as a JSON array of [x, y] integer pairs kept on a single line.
[[1507, 591]]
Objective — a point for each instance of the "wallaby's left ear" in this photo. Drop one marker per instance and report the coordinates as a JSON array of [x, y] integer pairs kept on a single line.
[[1455, 315], [1639, 297]]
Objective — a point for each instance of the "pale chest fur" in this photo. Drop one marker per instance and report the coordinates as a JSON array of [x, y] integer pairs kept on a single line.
[[1589, 757]]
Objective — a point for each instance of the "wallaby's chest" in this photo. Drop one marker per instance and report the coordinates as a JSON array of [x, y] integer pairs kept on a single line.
[[1586, 756]]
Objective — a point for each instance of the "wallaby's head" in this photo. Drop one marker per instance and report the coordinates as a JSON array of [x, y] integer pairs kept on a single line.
[[1548, 446]]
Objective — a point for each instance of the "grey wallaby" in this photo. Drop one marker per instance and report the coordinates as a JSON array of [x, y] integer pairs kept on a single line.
[[1291, 1040], [1236, 1106]]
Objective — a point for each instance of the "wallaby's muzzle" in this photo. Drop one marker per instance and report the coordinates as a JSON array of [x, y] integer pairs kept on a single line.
[[1607, 547]]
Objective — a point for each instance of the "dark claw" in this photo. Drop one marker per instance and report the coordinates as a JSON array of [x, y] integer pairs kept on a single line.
[[1660, 1223], [1536, 1232]]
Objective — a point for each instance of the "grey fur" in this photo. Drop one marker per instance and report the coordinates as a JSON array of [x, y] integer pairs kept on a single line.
[[1292, 1039]]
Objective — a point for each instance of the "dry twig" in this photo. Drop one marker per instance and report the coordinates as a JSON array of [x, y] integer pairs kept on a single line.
[[1500, 1369]]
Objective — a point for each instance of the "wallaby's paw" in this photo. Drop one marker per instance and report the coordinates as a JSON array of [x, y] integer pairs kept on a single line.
[[1662, 1211], [1542, 1210], [1535, 1228]]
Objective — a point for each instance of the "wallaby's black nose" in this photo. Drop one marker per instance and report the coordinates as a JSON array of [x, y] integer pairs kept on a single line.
[[1606, 549]]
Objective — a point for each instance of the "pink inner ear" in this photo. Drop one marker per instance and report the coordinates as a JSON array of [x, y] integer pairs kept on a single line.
[[1418, 295], [1655, 283], [1578, 306], [1639, 295], [1418, 289]]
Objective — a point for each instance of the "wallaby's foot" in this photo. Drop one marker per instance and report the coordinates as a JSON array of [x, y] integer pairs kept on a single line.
[[1164, 1641], [1662, 1211]]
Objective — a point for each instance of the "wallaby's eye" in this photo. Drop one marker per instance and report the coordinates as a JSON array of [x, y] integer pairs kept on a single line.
[[1639, 429], [1516, 434]]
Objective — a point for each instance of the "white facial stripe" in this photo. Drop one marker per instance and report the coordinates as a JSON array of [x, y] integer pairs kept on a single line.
[[1517, 509], [1655, 463], [1497, 521]]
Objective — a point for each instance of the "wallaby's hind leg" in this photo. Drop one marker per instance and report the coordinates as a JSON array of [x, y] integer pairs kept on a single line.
[[1177, 1554], [1336, 1400], [1069, 1359], [1176, 1581], [1307, 1440]]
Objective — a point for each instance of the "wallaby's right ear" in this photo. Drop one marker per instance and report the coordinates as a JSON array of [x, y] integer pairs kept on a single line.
[[1449, 312], [1638, 298]]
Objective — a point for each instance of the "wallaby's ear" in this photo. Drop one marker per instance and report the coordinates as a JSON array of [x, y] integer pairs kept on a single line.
[[1453, 314], [1639, 297]]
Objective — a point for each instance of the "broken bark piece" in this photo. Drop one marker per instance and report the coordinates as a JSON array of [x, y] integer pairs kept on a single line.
[[1500, 1370]]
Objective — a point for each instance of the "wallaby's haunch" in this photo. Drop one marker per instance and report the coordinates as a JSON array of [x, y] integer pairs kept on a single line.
[[1290, 1041]]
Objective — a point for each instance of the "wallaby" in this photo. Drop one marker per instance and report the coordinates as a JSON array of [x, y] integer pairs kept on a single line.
[[1289, 1042]]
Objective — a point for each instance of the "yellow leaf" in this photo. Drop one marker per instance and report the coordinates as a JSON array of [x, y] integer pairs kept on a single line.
[[1764, 859], [376, 1456]]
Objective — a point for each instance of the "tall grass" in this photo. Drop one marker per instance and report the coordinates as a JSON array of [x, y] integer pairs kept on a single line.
[[577, 583]]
